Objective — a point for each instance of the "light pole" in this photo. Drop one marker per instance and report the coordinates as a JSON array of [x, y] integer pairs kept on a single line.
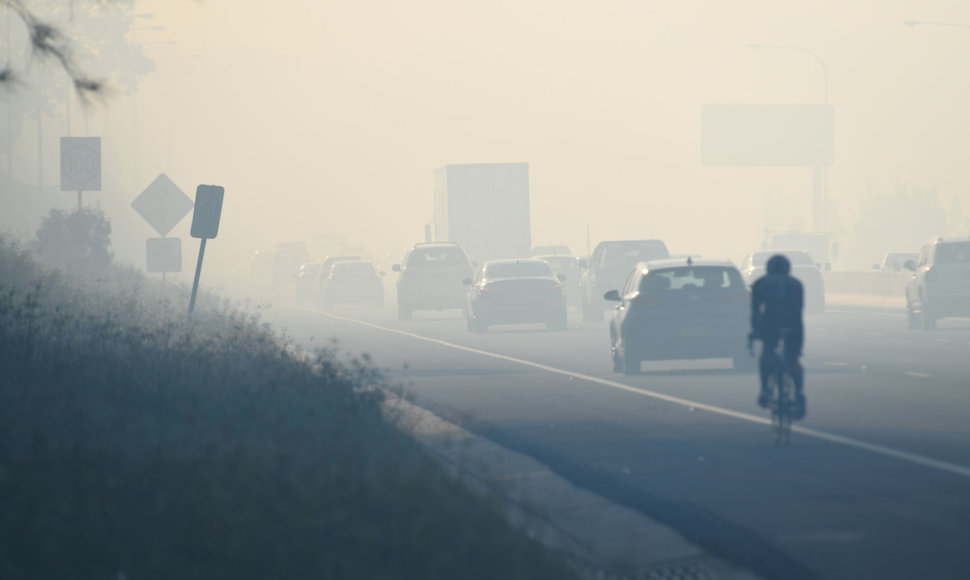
[[820, 185]]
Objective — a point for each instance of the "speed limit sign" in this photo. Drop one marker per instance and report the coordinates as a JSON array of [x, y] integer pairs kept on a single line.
[[80, 163]]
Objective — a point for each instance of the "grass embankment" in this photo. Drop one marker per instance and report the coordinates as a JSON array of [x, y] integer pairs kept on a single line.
[[135, 443]]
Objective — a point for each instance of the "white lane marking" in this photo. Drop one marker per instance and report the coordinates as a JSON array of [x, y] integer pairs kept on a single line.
[[691, 405], [917, 375]]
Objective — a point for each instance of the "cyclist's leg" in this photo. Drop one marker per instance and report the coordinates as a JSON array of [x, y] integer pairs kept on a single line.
[[793, 350], [768, 344]]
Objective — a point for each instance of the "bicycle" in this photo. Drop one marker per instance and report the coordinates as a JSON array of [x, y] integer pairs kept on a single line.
[[781, 385]]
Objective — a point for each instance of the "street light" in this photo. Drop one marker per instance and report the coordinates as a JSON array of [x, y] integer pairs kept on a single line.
[[820, 178]]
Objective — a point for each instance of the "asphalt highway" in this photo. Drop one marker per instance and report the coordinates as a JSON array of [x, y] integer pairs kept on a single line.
[[876, 483]]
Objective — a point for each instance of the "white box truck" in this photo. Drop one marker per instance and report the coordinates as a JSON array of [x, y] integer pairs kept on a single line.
[[484, 207]]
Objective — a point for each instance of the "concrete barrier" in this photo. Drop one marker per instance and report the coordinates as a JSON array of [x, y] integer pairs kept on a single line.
[[868, 288], [876, 283]]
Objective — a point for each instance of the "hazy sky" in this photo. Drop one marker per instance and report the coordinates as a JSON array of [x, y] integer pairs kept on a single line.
[[328, 118]]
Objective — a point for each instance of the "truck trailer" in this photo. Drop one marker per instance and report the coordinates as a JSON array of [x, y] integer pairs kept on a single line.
[[484, 207]]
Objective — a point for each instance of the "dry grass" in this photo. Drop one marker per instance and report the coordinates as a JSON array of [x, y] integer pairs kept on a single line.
[[135, 443]]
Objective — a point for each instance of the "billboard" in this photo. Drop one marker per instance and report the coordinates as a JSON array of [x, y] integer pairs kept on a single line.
[[767, 135]]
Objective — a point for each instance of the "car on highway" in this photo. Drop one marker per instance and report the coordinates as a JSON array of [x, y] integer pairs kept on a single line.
[[803, 268], [567, 267], [323, 275], [895, 261], [353, 282], [609, 266], [680, 309], [940, 283], [306, 281], [515, 291], [432, 277], [287, 259]]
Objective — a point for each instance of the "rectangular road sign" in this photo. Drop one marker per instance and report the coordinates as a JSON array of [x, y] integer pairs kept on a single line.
[[80, 163], [164, 255], [208, 210]]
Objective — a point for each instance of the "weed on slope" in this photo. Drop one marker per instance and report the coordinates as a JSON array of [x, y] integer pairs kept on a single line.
[[135, 444]]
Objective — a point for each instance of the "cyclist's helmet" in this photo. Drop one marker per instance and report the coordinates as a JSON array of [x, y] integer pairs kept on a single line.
[[778, 264]]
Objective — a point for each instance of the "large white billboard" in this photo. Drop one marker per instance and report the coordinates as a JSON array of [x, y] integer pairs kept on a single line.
[[767, 135]]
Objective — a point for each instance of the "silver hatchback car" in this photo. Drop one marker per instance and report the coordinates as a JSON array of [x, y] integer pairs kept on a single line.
[[680, 309]]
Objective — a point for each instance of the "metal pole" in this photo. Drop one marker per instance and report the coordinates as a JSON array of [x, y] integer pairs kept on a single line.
[[817, 198], [198, 273]]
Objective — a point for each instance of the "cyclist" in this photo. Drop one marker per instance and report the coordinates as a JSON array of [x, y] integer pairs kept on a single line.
[[777, 300]]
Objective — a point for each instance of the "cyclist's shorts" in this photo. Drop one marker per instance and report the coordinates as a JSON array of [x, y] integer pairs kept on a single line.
[[793, 341]]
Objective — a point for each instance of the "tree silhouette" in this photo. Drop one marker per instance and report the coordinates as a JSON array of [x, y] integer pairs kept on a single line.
[[49, 43]]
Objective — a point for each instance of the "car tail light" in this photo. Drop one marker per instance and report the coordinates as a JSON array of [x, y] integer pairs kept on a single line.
[[552, 287], [489, 289], [930, 274]]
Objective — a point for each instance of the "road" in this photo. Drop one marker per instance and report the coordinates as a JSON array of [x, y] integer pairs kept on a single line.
[[875, 485]]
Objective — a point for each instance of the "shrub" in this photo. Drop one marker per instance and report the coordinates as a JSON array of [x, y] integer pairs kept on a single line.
[[79, 240]]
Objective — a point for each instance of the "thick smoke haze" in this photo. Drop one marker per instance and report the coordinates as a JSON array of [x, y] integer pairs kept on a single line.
[[324, 121]]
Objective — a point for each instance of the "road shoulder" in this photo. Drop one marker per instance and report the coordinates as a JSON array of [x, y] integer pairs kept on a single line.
[[604, 539]]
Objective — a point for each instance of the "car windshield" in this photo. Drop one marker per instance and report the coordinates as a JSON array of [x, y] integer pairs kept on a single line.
[[692, 278], [518, 269], [353, 268], [429, 257], [953, 253], [796, 258]]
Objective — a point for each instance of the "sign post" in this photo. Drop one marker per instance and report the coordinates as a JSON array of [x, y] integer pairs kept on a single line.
[[205, 225], [80, 165]]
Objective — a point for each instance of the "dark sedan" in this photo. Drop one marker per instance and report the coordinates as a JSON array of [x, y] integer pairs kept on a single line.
[[515, 292]]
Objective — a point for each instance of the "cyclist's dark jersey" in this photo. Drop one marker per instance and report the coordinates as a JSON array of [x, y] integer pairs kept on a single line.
[[776, 301]]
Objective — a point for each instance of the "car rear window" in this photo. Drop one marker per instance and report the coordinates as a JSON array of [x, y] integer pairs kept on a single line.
[[953, 253], [429, 257], [516, 269], [692, 278], [353, 268]]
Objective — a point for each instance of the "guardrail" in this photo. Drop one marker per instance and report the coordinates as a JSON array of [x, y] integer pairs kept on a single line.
[[874, 289]]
